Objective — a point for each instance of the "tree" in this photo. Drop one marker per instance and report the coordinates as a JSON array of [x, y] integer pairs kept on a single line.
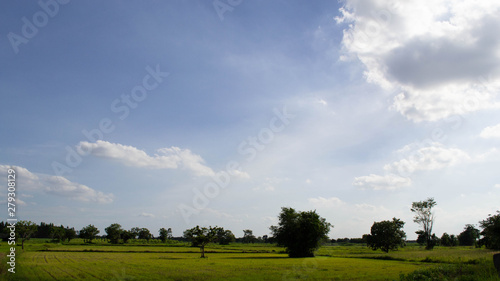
[[425, 217], [224, 237], [88, 233], [165, 234], [127, 235], [201, 236], [422, 239], [248, 236], [469, 236], [300, 232], [454, 240], [69, 234], [44, 230], [57, 233], [265, 238], [387, 235], [491, 231], [135, 232], [445, 240], [114, 233], [365, 239], [145, 234], [24, 230]]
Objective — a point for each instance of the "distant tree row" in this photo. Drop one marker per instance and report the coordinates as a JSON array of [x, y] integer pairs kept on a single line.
[[389, 235], [300, 232]]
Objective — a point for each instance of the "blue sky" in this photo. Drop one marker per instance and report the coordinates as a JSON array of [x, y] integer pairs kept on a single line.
[[182, 113]]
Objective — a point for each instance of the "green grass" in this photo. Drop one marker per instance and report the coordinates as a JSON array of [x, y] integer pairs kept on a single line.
[[101, 261], [410, 253], [188, 266]]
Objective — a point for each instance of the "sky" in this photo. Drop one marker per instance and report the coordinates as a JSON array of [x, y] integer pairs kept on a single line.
[[182, 113]]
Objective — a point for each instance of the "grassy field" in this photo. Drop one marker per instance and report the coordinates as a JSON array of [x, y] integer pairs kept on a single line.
[[48, 261]]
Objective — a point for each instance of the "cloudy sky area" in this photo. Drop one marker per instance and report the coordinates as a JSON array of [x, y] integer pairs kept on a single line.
[[182, 113]]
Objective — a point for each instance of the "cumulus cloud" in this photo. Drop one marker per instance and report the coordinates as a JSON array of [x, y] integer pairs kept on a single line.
[[167, 158], [492, 132], [441, 56], [57, 185], [322, 202], [415, 157], [432, 157], [386, 182], [63, 187]]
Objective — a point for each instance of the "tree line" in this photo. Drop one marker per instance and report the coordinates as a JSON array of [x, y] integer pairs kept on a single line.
[[114, 234], [301, 233], [389, 235]]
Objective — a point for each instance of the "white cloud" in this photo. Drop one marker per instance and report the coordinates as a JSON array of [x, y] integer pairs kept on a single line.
[[168, 158], [322, 202], [56, 185], [432, 157], [63, 187], [416, 157], [24, 178], [146, 215], [497, 185], [386, 182], [492, 132], [441, 55], [239, 174]]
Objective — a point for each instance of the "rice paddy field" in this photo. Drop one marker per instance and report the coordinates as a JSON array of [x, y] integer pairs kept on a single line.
[[77, 261]]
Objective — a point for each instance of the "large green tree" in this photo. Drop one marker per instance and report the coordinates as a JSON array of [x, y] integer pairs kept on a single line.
[[387, 235], [469, 236], [491, 231], [145, 234], [135, 232], [300, 232], [224, 237], [114, 233], [88, 233], [58, 233], [201, 236], [127, 235], [448, 240], [165, 234], [425, 217], [24, 231], [70, 234]]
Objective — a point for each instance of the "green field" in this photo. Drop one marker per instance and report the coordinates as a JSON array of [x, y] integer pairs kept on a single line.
[[76, 261]]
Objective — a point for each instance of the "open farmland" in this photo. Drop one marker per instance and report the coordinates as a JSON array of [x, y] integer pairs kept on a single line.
[[232, 262]]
